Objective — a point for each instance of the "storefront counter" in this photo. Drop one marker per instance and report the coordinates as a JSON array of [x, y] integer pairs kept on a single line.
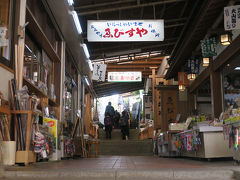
[[204, 142]]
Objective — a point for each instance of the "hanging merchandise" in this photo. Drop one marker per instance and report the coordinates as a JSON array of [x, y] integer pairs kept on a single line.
[[68, 147], [40, 145], [189, 142]]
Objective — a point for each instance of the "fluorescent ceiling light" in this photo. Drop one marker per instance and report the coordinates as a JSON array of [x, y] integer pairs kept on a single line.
[[77, 22], [70, 2], [28, 48], [87, 81], [90, 65], [85, 49], [237, 68]]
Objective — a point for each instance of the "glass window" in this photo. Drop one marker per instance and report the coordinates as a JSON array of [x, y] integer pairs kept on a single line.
[[32, 56], [38, 67]]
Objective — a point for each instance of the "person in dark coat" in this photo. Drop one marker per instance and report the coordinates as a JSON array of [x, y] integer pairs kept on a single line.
[[124, 124], [109, 109], [108, 122], [116, 119]]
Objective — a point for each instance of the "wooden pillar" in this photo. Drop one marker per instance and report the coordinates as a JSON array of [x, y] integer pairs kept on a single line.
[[19, 48], [154, 100], [88, 113], [216, 93], [191, 102], [62, 86]]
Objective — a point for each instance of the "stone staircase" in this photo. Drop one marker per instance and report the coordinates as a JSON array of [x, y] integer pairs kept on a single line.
[[117, 146], [116, 134]]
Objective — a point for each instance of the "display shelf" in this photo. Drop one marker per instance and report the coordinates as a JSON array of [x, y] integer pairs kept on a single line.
[[232, 91], [40, 36], [34, 89]]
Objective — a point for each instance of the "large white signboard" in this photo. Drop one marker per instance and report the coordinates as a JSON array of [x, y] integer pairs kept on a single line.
[[124, 76], [232, 17], [125, 30], [99, 72]]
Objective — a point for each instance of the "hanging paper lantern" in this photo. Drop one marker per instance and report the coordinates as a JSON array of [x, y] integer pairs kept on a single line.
[[191, 77], [206, 61], [181, 87]]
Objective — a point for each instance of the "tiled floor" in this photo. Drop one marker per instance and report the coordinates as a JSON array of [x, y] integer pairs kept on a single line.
[[126, 162]]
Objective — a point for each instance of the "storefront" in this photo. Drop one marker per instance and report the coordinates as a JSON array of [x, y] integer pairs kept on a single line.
[[212, 92], [51, 97]]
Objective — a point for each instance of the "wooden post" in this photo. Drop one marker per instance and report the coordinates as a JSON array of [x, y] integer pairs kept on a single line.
[[216, 93], [20, 43], [154, 100]]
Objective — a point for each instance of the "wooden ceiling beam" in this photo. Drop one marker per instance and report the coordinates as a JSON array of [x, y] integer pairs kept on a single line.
[[97, 5], [138, 60], [140, 5], [129, 66], [119, 88]]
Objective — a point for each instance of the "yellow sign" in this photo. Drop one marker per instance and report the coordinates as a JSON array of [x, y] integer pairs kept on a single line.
[[52, 126]]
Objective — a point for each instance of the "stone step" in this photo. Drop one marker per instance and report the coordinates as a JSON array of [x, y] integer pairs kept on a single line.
[[125, 147], [88, 174], [116, 134]]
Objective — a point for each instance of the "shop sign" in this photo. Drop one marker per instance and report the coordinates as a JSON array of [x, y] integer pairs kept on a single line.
[[182, 78], [193, 66], [232, 17], [99, 72], [208, 47], [124, 76], [125, 30]]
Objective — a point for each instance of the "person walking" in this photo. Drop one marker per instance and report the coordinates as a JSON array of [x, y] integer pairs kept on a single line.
[[124, 124], [109, 109], [108, 126], [116, 119]]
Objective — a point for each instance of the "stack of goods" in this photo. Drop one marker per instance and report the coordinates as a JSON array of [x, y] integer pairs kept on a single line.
[[231, 115], [180, 126]]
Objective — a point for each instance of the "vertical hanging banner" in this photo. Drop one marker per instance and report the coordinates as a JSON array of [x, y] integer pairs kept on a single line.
[[232, 17], [193, 66], [182, 78], [125, 30], [208, 47], [99, 72]]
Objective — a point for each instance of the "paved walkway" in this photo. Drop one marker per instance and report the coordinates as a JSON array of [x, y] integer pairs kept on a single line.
[[127, 167]]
